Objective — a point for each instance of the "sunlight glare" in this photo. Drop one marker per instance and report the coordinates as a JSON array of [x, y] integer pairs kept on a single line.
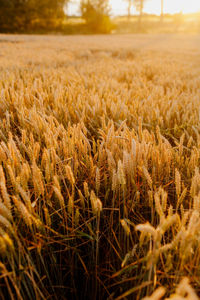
[[119, 7], [190, 6]]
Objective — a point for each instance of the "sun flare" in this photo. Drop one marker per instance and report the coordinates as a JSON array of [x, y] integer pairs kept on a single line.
[[119, 7], [190, 6]]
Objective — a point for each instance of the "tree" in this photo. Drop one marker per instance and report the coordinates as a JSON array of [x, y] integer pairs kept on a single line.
[[139, 5], [129, 8], [49, 13], [5, 14], [162, 11], [24, 15], [97, 15]]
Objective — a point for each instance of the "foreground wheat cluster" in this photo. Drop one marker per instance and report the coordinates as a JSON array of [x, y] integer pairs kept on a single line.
[[99, 168]]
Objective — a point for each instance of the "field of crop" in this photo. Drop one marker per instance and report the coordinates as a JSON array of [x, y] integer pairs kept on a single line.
[[99, 167]]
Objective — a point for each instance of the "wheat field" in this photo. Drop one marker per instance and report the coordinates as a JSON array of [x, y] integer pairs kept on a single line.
[[99, 167]]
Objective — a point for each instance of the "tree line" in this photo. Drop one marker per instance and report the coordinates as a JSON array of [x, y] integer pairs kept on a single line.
[[24, 15], [139, 5], [30, 15]]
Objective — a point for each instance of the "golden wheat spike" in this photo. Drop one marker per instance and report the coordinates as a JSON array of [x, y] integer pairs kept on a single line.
[[147, 176], [59, 196], [146, 228], [70, 175], [97, 180], [125, 226], [157, 295], [23, 211], [178, 182]]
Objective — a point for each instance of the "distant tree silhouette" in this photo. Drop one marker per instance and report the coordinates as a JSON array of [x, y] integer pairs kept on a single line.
[[24, 15], [139, 5], [130, 2], [162, 11], [96, 14]]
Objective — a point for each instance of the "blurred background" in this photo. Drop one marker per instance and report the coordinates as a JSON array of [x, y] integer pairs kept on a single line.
[[99, 16]]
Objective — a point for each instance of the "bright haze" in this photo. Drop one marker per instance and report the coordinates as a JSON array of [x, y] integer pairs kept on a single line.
[[119, 7]]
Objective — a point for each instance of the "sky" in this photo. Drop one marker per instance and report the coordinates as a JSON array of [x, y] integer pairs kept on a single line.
[[119, 7]]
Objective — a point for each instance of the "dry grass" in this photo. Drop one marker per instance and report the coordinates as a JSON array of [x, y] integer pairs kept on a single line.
[[99, 167]]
